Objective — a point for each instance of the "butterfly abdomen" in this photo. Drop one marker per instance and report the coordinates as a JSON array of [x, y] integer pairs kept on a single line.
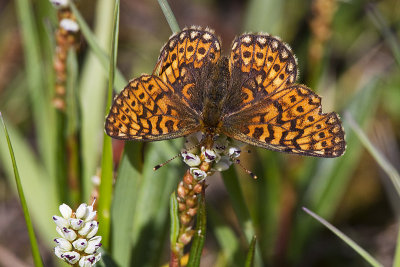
[[214, 95]]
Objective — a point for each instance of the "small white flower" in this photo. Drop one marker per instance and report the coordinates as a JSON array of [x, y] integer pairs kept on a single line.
[[63, 244], [89, 261], [81, 211], [69, 25], [93, 231], [234, 152], [197, 173], [59, 251], [80, 244], [93, 245], [191, 159], [71, 257], [87, 228], [90, 214], [65, 210], [210, 155], [69, 234], [76, 224], [60, 221]]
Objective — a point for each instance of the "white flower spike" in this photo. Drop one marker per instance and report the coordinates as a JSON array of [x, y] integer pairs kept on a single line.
[[78, 243]]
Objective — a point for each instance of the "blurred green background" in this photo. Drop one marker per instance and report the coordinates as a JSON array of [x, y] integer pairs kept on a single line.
[[348, 52]]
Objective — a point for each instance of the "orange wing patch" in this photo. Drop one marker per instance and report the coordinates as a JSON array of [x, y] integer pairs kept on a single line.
[[188, 49], [147, 110], [290, 120], [266, 59]]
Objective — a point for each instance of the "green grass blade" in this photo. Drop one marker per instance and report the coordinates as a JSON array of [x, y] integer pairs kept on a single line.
[[174, 218], [173, 24], [39, 98], [396, 260], [389, 35], [92, 90], [123, 208], [119, 81], [376, 154], [346, 239], [34, 245], [264, 16], [150, 222], [250, 255], [239, 205], [106, 185], [199, 235]]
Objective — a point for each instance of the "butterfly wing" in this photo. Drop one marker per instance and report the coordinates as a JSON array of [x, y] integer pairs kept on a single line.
[[186, 61], [168, 103], [272, 111], [149, 110]]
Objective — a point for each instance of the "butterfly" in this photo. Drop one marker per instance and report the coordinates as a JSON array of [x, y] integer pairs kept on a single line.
[[250, 96]]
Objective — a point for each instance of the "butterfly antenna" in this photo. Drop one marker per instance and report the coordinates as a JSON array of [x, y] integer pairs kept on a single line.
[[178, 155], [165, 163], [237, 161]]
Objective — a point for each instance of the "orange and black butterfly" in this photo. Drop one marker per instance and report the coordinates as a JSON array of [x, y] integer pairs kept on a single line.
[[250, 96]]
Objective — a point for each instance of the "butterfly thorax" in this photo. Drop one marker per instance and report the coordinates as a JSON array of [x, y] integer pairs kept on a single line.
[[213, 99]]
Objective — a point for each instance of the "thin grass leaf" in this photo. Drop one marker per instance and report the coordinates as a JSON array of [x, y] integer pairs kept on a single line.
[[32, 238], [92, 92], [174, 218], [239, 205], [264, 16], [199, 235], [376, 154], [119, 81], [346, 239], [123, 208], [396, 260], [150, 221], [383, 27], [250, 255], [106, 185], [169, 16], [41, 109]]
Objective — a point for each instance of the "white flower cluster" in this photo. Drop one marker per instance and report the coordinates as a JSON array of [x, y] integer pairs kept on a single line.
[[78, 243], [223, 153]]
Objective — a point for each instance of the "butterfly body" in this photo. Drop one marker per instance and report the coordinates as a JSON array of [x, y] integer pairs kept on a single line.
[[250, 96]]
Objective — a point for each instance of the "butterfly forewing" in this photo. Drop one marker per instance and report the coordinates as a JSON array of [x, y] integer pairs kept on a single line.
[[148, 109], [184, 60]]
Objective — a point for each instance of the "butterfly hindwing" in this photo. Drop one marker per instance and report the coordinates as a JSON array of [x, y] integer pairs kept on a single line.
[[290, 120]]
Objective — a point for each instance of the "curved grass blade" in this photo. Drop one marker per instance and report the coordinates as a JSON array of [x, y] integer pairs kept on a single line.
[[174, 216], [200, 234], [106, 184], [169, 16], [377, 155], [34, 245], [250, 255], [346, 239]]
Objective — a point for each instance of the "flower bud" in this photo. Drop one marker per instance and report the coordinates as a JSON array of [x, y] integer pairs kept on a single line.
[[65, 211], [80, 244], [71, 257], [60, 221]]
